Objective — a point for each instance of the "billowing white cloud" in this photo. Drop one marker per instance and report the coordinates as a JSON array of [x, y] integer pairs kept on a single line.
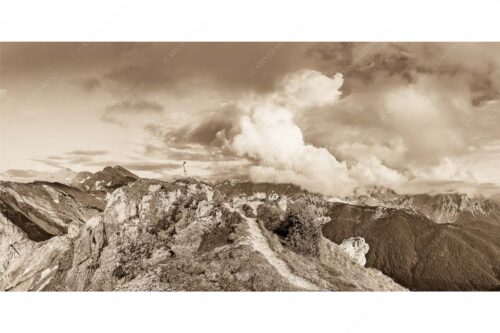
[[269, 135], [390, 154], [369, 170], [410, 128], [307, 88]]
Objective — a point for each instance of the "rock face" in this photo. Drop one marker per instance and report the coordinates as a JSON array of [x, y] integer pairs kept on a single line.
[[356, 248], [186, 235], [43, 210]]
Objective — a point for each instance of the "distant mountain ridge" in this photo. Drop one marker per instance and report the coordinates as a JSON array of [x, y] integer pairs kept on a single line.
[[440, 207]]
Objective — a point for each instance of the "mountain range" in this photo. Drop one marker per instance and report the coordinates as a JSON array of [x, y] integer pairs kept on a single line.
[[112, 230]]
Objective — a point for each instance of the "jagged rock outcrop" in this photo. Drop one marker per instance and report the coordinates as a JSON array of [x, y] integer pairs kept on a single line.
[[356, 248], [37, 221], [43, 210]]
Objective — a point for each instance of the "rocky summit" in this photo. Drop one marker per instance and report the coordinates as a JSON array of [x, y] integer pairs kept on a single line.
[[114, 231]]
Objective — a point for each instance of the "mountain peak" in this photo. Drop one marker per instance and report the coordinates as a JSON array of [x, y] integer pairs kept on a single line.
[[117, 169], [108, 179]]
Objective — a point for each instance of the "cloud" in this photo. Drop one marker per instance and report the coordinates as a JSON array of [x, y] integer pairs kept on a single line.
[[17, 173], [150, 166], [476, 63], [188, 153], [212, 132], [369, 170], [71, 158], [90, 85], [139, 106], [79, 160], [390, 153], [404, 125], [81, 152], [55, 157], [271, 138], [119, 113], [307, 88], [224, 171], [63, 162], [49, 162], [61, 175], [232, 66], [205, 135], [446, 170]]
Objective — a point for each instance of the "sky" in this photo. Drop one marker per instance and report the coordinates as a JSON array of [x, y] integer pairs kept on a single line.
[[330, 117]]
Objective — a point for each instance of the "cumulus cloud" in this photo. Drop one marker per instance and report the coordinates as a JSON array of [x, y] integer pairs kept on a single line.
[[269, 135], [390, 153], [308, 88], [406, 126], [369, 170]]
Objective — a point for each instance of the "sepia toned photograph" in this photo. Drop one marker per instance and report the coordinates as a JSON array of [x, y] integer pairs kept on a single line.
[[249, 166]]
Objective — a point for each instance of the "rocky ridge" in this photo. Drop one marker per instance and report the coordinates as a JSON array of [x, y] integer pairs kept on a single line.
[[188, 235]]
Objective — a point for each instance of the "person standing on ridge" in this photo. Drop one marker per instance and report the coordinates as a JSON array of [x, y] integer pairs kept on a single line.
[[184, 167]]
